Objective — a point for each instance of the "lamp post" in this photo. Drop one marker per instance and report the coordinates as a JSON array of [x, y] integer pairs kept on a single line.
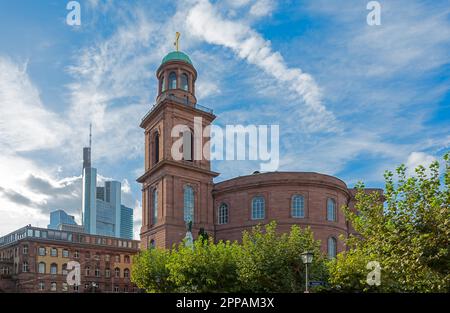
[[307, 258]]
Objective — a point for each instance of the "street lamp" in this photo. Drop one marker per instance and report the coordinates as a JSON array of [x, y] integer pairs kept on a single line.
[[307, 258]]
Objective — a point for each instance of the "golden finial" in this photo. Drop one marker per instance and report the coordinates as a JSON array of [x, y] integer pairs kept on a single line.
[[177, 38]]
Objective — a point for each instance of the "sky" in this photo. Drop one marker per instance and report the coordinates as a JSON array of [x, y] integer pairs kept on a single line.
[[352, 100]]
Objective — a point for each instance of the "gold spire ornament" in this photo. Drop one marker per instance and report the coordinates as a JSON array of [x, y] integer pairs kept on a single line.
[[177, 39]]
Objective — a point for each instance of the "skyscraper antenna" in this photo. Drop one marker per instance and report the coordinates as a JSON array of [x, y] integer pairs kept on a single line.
[[90, 135]]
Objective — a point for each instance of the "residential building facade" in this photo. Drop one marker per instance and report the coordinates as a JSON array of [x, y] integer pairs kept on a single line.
[[35, 260]]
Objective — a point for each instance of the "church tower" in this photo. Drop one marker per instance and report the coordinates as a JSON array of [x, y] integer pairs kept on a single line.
[[177, 183]]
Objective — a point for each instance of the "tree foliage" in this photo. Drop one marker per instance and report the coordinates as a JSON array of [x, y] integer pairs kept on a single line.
[[264, 262], [406, 230]]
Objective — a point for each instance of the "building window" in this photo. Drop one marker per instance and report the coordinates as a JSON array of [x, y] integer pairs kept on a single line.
[[76, 288], [41, 251], [117, 272], [64, 269], [223, 214], [188, 204], [298, 206], [107, 273], [331, 210], [184, 82], [117, 258], [41, 268], [152, 244], [116, 288], [126, 273], [87, 255], [25, 249], [53, 286], [87, 271], [127, 259], [97, 272], [172, 80], [65, 253], [258, 208], [54, 269], [156, 145], [107, 258], [155, 205], [41, 286], [64, 287], [76, 254], [332, 243], [25, 267], [54, 252]]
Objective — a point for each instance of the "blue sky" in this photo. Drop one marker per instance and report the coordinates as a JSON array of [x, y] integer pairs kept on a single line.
[[352, 100]]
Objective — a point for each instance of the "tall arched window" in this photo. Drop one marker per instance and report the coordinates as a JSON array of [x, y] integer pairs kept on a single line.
[[117, 272], [172, 80], [41, 268], [223, 214], [54, 269], [152, 244], [184, 82], [258, 208], [331, 210], [155, 205], [332, 243], [156, 148], [126, 273], [298, 206], [188, 204]]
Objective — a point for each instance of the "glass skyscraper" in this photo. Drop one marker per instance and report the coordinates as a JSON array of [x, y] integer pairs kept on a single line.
[[126, 222], [59, 217], [101, 206]]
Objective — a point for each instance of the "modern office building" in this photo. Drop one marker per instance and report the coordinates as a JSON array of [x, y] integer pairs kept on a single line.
[[101, 205], [88, 203], [35, 260], [60, 217], [126, 222]]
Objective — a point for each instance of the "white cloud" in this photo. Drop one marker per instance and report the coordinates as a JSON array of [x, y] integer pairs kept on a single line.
[[415, 159], [25, 124], [206, 23], [262, 8]]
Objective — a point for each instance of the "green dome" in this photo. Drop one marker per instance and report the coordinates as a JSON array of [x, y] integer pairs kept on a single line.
[[176, 56]]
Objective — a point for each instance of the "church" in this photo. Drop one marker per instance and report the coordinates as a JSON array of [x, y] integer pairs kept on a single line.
[[178, 191]]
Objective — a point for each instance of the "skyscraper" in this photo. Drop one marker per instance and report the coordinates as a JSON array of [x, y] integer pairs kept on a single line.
[[126, 222], [101, 205], [88, 204], [59, 217]]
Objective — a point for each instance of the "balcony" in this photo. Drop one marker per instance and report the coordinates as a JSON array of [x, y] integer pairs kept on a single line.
[[184, 101]]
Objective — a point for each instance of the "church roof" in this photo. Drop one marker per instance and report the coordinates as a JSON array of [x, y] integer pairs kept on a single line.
[[177, 56]]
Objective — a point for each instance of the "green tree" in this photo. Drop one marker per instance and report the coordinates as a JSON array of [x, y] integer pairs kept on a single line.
[[406, 230], [205, 267], [272, 263], [150, 272], [264, 262]]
